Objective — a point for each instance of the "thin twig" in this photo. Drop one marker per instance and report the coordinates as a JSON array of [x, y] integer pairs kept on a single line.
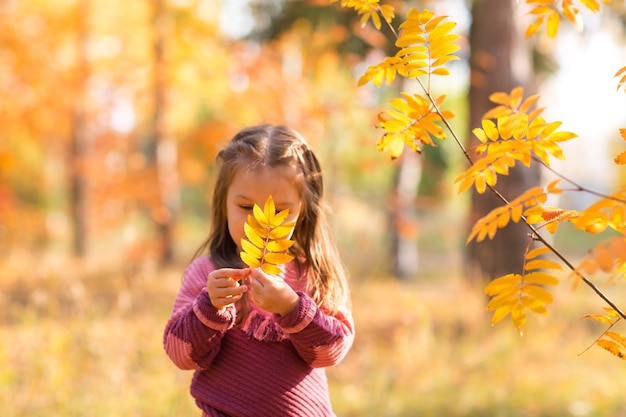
[[577, 186]]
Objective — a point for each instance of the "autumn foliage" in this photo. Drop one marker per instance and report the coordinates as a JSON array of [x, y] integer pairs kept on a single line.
[[513, 132]]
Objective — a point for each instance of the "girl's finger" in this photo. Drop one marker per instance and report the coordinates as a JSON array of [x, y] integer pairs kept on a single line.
[[230, 272]]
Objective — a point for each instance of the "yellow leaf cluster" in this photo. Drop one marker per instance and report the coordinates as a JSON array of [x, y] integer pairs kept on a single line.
[[370, 10], [608, 212], [426, 45], [515, 294], [411, 122], [500, 217], [608, 256], [611, 341], [549, 12], [550, 217], [517, 134], [615, 343], [610, 316], [267, 238]]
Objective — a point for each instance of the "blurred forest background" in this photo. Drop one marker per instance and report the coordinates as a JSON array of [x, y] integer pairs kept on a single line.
[[111, 115]]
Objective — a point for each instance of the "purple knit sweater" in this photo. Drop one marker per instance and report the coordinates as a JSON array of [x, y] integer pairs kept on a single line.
[[270, 366]]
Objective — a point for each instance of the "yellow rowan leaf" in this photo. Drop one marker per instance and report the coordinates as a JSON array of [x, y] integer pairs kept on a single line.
[[599, 318], [500, 313], [271, 269], [620, 159], [537, 252], [499, 98], [260, 230], [253, 236], [250, 260], [618, 337], [542, 264], [384, 72], [613, 347], [508, 296], [622, 82], [497, 112], [440, 71], [532, 29], [466, 182], [490, 130], [277, 258], [540, 278], [261, 216], [516, 97], [534, 305], [498, 284], [281, 232], [538, 293], [518, 315], [481, 184], [392, 143], [480, 134], [552, 187], [280, 245], [612, 313], [553, 24], [528, 103], [251, 249]]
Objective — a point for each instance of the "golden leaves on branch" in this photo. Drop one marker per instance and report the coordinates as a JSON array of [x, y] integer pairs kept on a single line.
[[515, 294], [267, 238], [411, 122], [500, 217], [426, 45], [611, 341], [615, 343], [370, 10], [516, 134], [512, 132], [549, 12]]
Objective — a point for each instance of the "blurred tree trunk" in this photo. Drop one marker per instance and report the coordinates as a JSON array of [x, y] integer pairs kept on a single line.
[[164, 154], [499, 62], [403, 216], [78, 141]]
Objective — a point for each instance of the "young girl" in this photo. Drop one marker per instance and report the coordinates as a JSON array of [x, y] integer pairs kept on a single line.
[[259, 343]]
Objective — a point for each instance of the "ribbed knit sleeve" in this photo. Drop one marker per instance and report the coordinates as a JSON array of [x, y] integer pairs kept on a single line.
[[193, 333], [321, 339]]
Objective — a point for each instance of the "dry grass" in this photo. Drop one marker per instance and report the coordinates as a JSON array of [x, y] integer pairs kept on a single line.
[[85, 340]]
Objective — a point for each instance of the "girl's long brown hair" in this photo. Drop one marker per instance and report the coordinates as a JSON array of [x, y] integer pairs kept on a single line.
[[276, 146]]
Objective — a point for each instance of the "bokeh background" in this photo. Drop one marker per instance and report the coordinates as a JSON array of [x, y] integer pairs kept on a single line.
[[111, 114]]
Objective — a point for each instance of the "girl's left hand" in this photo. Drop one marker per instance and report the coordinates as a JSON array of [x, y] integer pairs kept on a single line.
[[271, 292]]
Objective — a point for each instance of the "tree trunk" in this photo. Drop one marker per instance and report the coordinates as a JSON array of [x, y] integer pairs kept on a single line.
[[165, 151], [403, 216], [77, 177], [499, 62]]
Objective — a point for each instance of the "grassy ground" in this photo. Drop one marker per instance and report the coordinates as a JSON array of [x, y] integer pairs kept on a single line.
[[85, 340]]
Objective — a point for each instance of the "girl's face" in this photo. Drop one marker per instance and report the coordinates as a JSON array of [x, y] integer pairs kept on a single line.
[[254, 187]]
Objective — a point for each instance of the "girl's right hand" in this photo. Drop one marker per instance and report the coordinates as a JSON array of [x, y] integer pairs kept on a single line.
[[223, 286]]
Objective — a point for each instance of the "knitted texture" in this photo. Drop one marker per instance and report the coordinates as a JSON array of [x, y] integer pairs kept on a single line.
[[270, 366]]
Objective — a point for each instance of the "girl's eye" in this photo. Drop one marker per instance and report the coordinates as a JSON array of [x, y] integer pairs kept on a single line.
[[245, 207]]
